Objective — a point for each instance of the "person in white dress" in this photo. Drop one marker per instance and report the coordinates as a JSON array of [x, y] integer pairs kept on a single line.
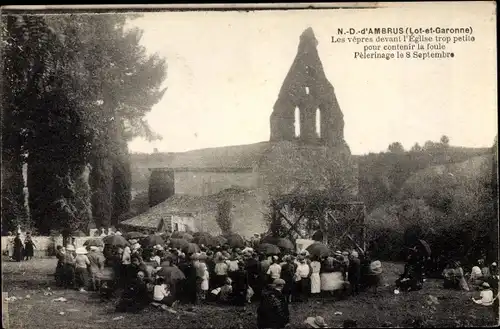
[[315, 277]]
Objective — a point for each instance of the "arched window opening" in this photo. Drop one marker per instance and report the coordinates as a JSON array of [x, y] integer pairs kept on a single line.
[[318, 123], [297, 122]]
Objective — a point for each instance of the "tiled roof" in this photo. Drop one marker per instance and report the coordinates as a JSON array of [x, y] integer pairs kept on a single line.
[[180, 204]]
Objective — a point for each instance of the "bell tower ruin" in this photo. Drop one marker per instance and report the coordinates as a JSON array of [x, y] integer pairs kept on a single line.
[[307, 90]]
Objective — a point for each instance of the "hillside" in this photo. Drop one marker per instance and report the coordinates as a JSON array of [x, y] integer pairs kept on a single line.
[[380, 175]]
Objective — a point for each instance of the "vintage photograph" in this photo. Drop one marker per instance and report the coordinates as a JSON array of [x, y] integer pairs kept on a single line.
[[230, 166]]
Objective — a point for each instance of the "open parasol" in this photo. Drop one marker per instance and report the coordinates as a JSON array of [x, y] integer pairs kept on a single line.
[[178, 243], [182, 235], [94, 242], [151, 241], [115, 240], [235, 240], [190, 248], [424, 246], [220, 240], [284, 243], [268, 249], [171, 274], [205, 239], [79, 234], [319, 250]]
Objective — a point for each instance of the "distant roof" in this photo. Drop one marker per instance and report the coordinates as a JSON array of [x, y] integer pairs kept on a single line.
[[180, 204], [227, 158]]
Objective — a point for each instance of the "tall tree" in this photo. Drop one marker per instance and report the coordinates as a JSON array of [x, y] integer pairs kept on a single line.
[[396, 147], [121, 83], [13, 87]]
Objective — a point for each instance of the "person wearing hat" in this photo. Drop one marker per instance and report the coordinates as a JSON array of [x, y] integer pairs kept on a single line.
[[220, 270], [302, 274], [273, 310], [81, 264], [274, 271], [96, 266], [485, 296], [69, 267], [315, 322]]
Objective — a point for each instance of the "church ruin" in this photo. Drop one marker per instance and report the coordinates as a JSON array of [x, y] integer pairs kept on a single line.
[[315, 160]]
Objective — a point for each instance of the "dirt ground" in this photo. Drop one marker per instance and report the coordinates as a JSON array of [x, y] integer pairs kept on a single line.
[[30, 280]]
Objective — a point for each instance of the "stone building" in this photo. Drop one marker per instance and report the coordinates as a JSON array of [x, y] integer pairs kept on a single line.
[[306, 152]]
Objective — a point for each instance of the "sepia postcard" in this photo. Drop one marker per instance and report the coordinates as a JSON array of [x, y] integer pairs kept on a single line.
[[308, 165]]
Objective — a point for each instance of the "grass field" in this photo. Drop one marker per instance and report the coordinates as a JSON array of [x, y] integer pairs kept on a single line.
[[84, 310]]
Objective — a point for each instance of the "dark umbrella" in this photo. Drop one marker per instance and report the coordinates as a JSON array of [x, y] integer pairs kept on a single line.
[[284, 243], [115, 240], [178, 243], [220, 240], [134, 235], [171, 274], [94, 242], [235, 241], [151, 241], [268, 239], [205, 239], [79, 234], [182, 235], [190, 248], [268, 249], [319, 250], [425, 247]]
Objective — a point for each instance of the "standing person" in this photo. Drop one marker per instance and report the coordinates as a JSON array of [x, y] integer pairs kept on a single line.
[[221, 270], [18, 248], [59, 275], [204, 280], [315, 278], [253, 271], [29, 247], [240, 285], [274, 271], [354, 272], [10, 245], [273, 310], [69, 266], [96, 267], [82, 263], [303, 276], [287, 274]]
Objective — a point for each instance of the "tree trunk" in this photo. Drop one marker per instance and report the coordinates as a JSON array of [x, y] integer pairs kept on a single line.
[[14, 211], [101, 182]]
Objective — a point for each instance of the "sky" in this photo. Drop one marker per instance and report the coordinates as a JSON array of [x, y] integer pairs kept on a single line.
[[225, 70]]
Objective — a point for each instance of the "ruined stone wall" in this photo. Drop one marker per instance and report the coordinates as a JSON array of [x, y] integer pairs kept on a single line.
[[290, 167], [307, 88]]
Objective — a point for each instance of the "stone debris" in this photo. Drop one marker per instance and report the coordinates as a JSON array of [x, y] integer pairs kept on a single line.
[[337, 313], [118, 318], [62, 313], [11, 299]]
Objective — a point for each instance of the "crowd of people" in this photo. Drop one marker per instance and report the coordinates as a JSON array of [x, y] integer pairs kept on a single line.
[[164, 275]]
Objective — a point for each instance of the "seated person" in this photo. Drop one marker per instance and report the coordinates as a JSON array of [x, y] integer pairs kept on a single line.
[[485, 296], [135, 296], [226, 292], [162, 293]]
